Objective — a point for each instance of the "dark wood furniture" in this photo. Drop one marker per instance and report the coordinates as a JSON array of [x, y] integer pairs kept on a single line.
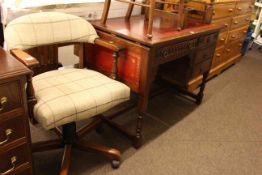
[[139, 64], [15, 141], [235, 16], [69, 137], [94, 100]]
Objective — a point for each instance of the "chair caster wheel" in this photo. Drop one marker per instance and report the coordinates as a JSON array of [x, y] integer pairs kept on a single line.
[[115, 164], [100, 129]]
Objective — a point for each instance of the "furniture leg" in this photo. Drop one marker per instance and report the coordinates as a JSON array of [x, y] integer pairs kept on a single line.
[[200, 95], [112, 154], [151, 18], [47, 145], [107, 4], [139, 138], [66, 160], [130, 10]]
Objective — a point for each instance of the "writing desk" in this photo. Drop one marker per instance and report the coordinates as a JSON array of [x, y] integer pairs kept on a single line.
[[139, 63]]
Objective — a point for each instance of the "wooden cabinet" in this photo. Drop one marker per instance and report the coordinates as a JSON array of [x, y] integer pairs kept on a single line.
[[234, 15], [223, 10], [15, 142]]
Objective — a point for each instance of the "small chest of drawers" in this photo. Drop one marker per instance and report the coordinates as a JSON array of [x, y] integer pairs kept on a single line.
[[15, 142]]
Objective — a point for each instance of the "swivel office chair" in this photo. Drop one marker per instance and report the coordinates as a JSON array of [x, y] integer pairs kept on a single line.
[[60, 98]]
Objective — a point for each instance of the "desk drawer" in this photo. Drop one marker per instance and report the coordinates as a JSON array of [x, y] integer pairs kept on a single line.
[[218, 57], [204, 54], [201, 68], [243, 7], [12, 130], [10, 96], [222, 38], [237, 34], [225, 22], [223, 10], [11, 159], [232, 50], [207, 41], [239, 21]]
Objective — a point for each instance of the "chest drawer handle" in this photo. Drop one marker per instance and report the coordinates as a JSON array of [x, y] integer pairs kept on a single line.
[[222, 39], [233, 36], [12, 161], [226, 25], [218, 55], [235, 22], [239, 8], [247, 19], [230, 10], [3, 102], [8, 132], [228, 50], [244, 31]]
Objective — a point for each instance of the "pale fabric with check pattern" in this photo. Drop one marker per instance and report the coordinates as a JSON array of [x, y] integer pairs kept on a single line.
[[67, 95], [74, 94], [48, 28]]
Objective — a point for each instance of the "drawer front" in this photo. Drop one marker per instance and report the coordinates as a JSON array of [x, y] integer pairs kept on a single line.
[[10, 96], [225, 22], [223, 10], [203, 55], [12, 159], [12, 130], [222, 38], [201, 68], [218, 57], [243, 7], [232, 50], [207, 41], [239, 21], [237, 34]]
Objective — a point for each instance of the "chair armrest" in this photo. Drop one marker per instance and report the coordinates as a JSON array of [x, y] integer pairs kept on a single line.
[[25, 58], [109, 45]]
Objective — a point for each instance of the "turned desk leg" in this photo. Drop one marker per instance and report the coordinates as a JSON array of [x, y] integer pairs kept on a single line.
[[200, 95], [139, 126]]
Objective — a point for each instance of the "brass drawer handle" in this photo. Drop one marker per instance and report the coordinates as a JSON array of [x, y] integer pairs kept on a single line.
[[226, 25], [228, 50], [12, 161], [244, 31], [230, 10], [233, 36], [3, 102], [239, 8], [235, 22], [240, 44], [8, 132], [218, 55], [222, 39]]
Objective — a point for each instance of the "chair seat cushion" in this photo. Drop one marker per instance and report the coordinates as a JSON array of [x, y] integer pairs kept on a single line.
[[69, 95]]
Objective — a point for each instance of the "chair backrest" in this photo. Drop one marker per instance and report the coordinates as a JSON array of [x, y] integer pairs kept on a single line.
[[46, 28], [40, 34]]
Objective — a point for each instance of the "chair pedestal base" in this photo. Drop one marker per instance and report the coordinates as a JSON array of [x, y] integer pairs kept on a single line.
[[70, 140]]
